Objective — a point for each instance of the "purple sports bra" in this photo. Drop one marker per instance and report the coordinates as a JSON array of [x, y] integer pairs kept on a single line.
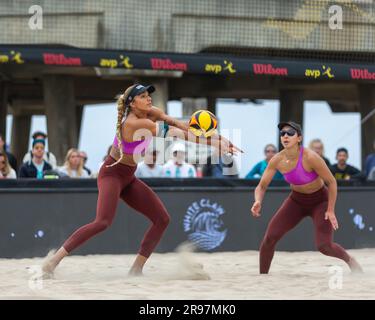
[[298, 175], [135, 147]]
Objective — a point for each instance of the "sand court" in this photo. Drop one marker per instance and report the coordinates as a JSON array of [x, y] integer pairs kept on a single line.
[[220, 275]]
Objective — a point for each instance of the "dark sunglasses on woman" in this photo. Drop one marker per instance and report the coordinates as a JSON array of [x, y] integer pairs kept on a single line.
[[290, 132]]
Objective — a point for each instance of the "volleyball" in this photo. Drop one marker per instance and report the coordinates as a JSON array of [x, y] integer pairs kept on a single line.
[[203, 122]]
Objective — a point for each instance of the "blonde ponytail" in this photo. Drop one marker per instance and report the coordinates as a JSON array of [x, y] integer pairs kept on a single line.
[[122, 113]]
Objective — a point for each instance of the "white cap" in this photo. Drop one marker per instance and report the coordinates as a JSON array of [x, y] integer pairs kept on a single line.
[[178, 147]]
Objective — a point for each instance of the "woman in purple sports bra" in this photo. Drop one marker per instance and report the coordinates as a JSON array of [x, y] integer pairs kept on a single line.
[[137, 118], [308, 176]]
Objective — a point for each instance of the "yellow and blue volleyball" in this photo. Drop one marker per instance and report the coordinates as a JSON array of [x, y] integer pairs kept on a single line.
[[203, 122]]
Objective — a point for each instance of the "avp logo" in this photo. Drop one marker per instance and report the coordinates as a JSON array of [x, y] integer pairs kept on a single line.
[[12, 57], [123, 61], [217, 68], [316, 73], [204, 225]]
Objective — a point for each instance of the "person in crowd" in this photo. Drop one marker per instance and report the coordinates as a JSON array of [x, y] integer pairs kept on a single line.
[[257, 171], [149, 168], [370, 165], [177, 167], [36, 166], [342, 170], [73, 165], [48, 156], [84, 157], [11, 158], [212, 169], [6, 171], [229, 165], [223, 166], [318, 146]]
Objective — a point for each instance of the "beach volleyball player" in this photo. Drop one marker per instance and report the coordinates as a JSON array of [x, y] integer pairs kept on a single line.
[[136, 118], [314, 192]]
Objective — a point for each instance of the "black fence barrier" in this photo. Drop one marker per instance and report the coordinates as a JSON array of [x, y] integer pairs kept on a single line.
[[214, 214]]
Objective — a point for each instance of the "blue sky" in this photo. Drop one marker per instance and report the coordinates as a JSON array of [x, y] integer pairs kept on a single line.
[[256, 124]]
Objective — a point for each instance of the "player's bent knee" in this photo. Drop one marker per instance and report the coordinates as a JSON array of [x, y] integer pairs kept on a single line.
[[102, 224], [164, 220]]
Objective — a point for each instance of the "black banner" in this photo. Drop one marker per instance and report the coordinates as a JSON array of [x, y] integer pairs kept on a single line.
[[36, 220], [186, 63]]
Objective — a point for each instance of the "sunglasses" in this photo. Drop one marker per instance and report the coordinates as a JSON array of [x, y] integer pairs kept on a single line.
[[271, 150], [290, 133]]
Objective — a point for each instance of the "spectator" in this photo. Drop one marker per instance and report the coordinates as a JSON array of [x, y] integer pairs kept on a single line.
[[48, 156], [342, 170], [318, 146], [73, 166], [224, 167], [6, 171], [257, 171], [229, 166], [35, 167], [370, 165], [149, 168], [371, 175], [84, 158], [11, 158], [177, 166], [212, 169]]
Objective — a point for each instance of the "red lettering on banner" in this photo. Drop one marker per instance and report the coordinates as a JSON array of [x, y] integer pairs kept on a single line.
[[269, 69], [362, 74], [60, 59], [167, 64]]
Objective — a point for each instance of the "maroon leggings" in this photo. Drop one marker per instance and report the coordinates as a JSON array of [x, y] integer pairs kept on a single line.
[[296, 207], [119, 182]]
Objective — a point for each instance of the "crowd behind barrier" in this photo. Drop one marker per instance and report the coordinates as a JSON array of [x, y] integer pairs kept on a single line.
[[41, 164]]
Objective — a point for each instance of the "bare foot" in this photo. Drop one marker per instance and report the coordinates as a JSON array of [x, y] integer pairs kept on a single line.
[[135, 272], [355, 266], [47, 270]]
